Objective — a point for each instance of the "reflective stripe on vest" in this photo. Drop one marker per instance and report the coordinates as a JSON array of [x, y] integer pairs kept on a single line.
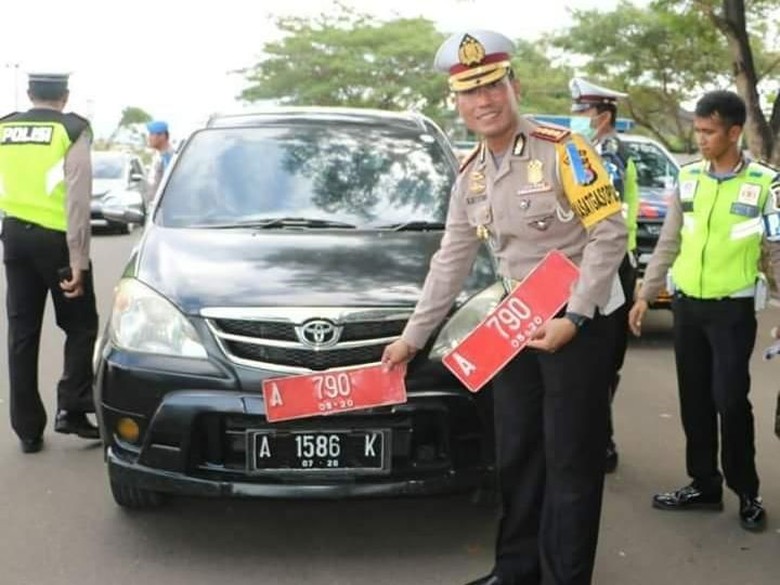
[[722, 230]]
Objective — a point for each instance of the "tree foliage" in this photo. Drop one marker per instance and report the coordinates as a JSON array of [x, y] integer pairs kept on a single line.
[[348, 59], [133, 115], [747, 26]]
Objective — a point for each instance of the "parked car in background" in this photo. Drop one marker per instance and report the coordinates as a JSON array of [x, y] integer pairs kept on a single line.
[[118, 178], [657, 171], [282, 242]]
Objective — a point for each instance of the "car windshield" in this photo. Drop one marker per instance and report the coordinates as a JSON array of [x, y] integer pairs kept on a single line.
[[107, 167], [327, 173], [653, 167]]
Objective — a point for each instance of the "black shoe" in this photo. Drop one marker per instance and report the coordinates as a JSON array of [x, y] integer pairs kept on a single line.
[[611, 461], [689, 498], [752, 515], [491, 579], [75, 423], [31, 445]]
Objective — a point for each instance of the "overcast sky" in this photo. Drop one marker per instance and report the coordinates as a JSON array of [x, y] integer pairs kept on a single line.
[[173, 59]]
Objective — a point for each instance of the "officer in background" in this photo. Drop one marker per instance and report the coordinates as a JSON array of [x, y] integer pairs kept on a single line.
[[712, 240], [46, 187], [595, 114], [159, 140], [529, 189]]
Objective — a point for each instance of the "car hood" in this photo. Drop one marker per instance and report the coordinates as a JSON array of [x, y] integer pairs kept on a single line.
[[653, 202], [197, 268]]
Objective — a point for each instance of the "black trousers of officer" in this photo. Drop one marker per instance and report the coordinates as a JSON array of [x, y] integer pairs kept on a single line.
[[32, 256], [551, 432], [713, 342], [627, 274]]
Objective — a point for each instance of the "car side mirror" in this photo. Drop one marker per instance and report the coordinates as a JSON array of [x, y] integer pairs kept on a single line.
[[136, 178], [115, 211]]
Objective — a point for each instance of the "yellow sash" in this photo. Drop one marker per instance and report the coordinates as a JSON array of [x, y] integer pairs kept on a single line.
[[586, 182]]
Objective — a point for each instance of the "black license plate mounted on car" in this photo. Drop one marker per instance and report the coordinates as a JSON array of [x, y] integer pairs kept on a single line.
[[364, 451]]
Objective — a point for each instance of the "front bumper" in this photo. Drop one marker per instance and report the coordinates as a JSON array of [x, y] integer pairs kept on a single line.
[[195, 426]]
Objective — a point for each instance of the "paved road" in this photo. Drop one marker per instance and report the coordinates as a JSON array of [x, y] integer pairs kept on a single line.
[[59, 525]]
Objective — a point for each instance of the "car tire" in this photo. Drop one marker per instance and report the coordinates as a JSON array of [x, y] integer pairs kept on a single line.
[[134, 498]]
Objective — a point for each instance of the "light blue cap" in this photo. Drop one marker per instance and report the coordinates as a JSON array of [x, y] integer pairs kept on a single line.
[[157, 127]]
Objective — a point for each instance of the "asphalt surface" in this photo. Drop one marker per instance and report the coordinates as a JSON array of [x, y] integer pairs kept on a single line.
[[60, 526]]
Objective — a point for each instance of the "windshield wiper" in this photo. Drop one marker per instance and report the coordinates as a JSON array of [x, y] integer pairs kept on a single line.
[[412, 226], [280, 222]]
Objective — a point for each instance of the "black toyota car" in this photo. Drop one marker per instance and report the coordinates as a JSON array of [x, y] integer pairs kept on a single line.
[[283, 242]]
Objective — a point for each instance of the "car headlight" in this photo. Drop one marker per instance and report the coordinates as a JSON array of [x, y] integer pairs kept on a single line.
[[466, 319], [143, 320]]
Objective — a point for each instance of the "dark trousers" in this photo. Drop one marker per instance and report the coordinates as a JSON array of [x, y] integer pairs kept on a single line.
[[713, 342], [627, 274], [32, 256], [551, 433]]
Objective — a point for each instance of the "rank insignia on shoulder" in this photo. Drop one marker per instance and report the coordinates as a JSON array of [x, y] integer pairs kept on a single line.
[[550, 133]]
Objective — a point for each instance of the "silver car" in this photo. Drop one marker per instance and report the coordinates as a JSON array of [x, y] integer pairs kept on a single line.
[[118, 178]]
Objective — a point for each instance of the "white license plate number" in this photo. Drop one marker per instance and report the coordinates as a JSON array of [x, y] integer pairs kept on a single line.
[[319, 451]]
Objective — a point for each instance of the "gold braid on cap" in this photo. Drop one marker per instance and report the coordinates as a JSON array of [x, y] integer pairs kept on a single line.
[[478, 76]]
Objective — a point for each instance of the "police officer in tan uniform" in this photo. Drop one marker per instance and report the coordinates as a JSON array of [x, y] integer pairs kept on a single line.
[[528, 189], [594, 115]]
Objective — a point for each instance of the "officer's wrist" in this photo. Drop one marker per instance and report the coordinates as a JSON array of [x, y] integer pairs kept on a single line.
[[579, 320]]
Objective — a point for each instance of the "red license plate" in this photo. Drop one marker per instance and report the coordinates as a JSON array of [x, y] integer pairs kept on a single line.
[[332, 392], [511, 324]]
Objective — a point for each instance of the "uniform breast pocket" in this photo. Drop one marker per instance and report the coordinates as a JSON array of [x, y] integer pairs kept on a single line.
[[536, 212]]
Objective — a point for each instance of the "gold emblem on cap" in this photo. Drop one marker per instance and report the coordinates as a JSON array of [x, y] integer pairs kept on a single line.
[[471, 52], [535, 174]]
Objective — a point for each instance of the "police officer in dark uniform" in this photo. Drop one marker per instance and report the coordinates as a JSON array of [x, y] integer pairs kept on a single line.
[[45, 192], [528, 189], [594, 110]]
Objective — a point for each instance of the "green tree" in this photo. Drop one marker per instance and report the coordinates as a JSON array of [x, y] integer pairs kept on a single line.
[[133, 115], [747, 27], [659, 57], [348, 59]]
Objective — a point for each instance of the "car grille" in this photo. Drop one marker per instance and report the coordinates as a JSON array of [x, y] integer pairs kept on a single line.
[[274, 341]]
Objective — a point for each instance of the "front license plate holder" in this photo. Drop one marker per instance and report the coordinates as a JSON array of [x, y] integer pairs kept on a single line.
[[319, 451]]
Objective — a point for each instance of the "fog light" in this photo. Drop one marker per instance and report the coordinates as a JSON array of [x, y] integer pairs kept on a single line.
[[128, 430]]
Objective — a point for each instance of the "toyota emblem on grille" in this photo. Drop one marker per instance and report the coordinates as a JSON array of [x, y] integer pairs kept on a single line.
[[319, 333]]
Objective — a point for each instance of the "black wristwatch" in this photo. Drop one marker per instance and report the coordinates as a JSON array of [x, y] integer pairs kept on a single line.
[[579, 320]]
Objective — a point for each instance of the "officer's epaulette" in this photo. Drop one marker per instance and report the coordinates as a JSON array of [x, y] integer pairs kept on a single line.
[[469, 157], [550, 133], [8, 116], [765, 166]]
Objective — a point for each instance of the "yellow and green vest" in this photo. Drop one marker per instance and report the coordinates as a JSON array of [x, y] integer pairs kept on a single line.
[[33, 146], [722, 229]]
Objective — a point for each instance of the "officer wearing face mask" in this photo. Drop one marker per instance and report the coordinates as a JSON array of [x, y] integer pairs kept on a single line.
[[595, 114]]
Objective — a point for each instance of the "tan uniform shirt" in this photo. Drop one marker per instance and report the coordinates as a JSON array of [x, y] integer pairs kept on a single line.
[[525, 208], [78, 178]]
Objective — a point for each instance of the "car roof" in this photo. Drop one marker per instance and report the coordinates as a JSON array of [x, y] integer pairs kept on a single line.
[[304, 114]]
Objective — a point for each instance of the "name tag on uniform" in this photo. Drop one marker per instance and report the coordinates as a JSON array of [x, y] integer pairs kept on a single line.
[[509, 327], [744, 209], [688, 190], [748, 194]]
